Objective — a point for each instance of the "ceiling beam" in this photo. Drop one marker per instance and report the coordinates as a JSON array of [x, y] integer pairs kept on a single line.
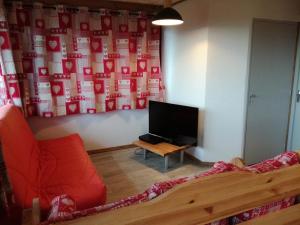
[[92, 4]]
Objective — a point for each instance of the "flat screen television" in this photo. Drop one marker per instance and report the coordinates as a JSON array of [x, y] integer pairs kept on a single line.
[[176, 123]]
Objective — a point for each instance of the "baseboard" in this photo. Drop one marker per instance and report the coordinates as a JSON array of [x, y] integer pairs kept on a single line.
[[206, 164], [116, 148]]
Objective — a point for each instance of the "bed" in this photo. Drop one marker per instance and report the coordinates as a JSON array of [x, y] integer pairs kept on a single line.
[[208, 199]]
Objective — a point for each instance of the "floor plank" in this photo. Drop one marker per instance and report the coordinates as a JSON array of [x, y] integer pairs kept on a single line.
[[126, 173]]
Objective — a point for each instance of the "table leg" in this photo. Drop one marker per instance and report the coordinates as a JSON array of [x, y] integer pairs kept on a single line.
[[145, 154], [166, 162], [181, 156]]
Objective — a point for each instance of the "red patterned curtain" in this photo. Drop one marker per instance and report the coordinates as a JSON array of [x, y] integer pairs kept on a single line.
[[62, 61], [9, 86]]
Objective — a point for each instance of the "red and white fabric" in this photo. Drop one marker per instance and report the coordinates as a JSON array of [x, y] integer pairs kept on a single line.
[[280, 161], [272, 207], [283, 160], [9, 85], [154, 191], [62, 207], [72, 60]]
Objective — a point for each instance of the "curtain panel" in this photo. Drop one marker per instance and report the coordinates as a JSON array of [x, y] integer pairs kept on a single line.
[[59, 61]]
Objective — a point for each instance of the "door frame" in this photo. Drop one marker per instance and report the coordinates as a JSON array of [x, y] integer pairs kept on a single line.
[[296, 77], [294, 92]]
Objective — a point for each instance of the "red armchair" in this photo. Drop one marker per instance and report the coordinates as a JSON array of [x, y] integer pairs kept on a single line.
[[45, 169]]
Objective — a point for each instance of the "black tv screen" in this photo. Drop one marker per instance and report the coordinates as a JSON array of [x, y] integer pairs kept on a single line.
[[176, 123]]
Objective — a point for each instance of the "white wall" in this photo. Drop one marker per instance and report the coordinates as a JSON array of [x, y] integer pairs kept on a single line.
[[223, 71], [185, 54], [97, 130], [184, 59], [229, 43]]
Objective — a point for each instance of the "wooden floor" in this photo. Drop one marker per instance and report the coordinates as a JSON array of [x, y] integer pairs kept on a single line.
[[126, 173]]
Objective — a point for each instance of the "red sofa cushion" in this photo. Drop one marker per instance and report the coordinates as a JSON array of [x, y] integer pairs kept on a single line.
[[21, 155], [67, 169], [47, 168]]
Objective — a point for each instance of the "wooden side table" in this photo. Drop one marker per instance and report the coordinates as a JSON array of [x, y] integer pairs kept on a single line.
[[163, 149]]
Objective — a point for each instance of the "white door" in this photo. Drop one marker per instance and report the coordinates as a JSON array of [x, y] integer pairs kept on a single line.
[[272, 63]]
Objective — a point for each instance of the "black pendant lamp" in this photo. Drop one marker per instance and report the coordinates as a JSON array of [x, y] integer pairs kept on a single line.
[[167, 16]]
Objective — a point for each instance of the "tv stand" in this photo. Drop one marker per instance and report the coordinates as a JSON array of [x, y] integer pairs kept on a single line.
[[163, 149]]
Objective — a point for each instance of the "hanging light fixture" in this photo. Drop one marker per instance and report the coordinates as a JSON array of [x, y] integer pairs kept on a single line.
[[167, 16]]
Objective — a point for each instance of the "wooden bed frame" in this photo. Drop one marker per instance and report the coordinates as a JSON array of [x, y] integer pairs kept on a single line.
[[208, 199]]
